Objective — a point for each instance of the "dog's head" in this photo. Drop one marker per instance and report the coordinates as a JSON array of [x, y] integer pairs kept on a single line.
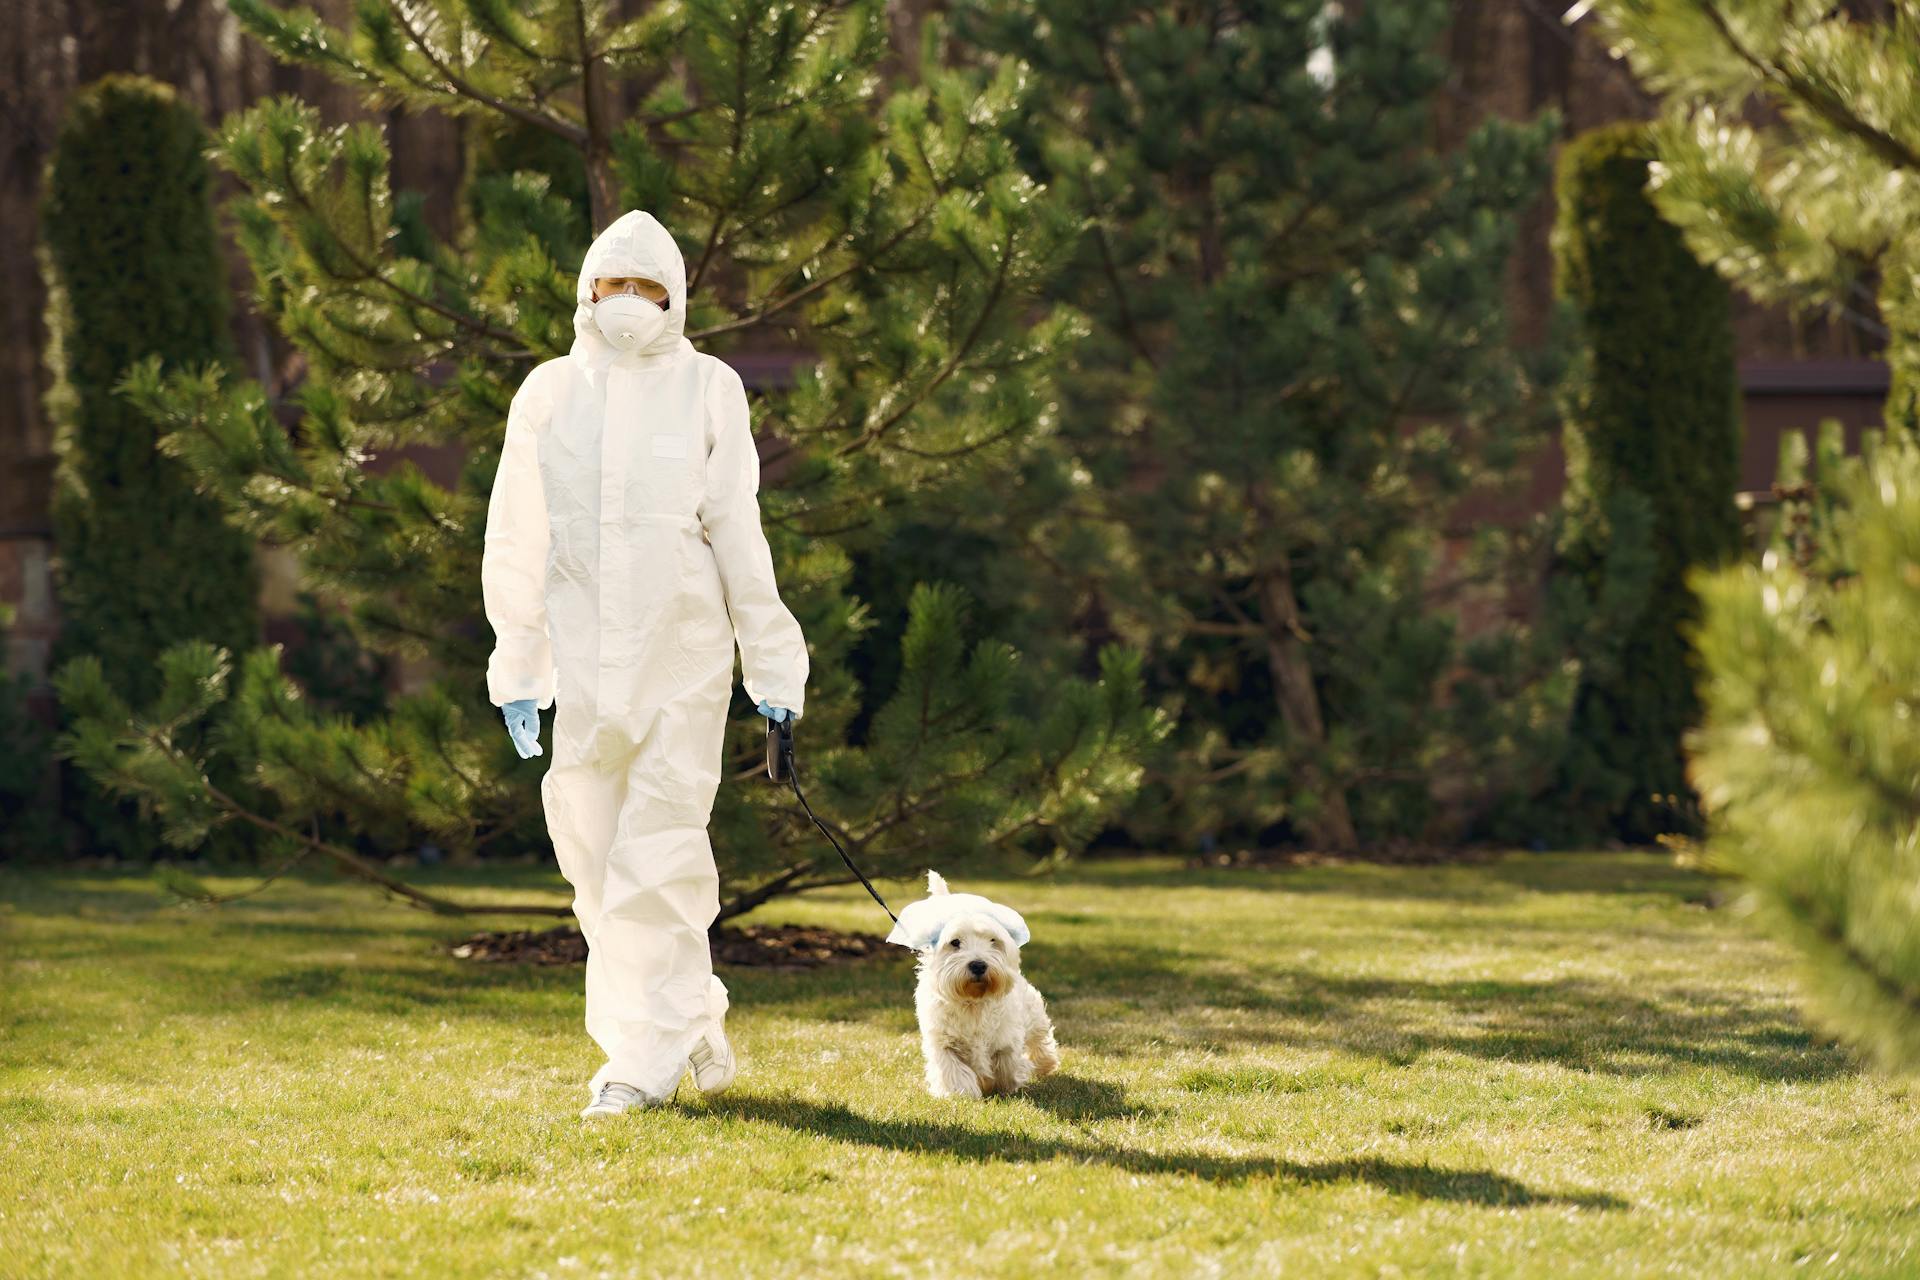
[[968, 945], [973, 958]]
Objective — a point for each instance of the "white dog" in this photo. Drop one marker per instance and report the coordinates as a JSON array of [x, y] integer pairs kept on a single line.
[[983, 1027]]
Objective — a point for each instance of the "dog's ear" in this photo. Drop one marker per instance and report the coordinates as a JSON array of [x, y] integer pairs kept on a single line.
[[919, 925], [1010, 920], [936, 883]]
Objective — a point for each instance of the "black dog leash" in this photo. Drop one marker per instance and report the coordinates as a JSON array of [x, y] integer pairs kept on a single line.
[[779, 768]]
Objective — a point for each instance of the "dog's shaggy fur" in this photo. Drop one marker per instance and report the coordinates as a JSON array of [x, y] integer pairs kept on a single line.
[[983, 1027]]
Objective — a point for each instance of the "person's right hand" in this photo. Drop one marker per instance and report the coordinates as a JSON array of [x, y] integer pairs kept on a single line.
[[523, 726]]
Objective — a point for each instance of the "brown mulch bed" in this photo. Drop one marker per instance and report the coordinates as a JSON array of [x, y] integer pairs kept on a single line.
[[761, 946]]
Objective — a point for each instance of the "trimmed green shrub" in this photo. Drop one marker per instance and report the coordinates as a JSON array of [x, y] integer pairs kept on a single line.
[[134, 274], [1652, 422]]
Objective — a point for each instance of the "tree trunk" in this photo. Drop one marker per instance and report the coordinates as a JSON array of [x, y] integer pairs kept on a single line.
[[1331, 827], [603, 192]]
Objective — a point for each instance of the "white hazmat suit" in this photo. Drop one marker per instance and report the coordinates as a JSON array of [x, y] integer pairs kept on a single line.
[[624, 560]]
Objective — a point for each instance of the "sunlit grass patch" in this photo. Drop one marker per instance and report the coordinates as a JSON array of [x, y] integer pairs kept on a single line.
[[1551, 1066]]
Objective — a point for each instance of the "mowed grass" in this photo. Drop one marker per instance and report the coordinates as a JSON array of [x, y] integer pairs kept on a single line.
[[1551, 1066]]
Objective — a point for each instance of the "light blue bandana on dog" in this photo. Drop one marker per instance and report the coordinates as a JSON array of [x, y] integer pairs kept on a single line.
[[920, 922]]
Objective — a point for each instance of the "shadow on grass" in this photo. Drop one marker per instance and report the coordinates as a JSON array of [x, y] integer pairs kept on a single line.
[[1080, 1099], [1200, 1000], [1574, 1023], [928, 1137], [1577, 1023], [466, 990]]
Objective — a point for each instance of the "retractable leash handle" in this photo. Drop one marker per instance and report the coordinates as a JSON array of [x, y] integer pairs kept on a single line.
[[780, 749], [780, 769]]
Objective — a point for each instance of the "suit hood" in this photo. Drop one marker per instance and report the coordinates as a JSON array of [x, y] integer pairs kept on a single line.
[[635, 245]]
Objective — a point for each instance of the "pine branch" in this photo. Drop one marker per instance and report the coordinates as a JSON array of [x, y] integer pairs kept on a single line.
[[210, 899], [768, 310], [349, 861], [766, 891], [370, 272], [879, 430], [1823, 104], [462, 87], [1810, 916]]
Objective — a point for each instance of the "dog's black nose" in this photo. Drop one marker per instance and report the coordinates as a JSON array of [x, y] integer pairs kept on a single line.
[[977, 968]]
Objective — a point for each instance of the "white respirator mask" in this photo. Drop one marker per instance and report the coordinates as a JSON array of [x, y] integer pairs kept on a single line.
[[630, 323]]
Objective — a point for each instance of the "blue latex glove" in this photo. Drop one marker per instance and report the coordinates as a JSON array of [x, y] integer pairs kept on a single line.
[[523, 726], [775, 714]]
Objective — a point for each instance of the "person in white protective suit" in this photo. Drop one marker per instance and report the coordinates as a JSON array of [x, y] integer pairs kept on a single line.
[[624, 560]]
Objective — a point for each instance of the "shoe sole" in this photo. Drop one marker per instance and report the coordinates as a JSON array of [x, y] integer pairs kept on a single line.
[[614, 1115], [701, 1059], [638, 1104]]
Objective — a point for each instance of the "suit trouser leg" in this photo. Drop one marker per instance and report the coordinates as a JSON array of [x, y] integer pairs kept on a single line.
[[582, 802], [583, 796], [651, 990]]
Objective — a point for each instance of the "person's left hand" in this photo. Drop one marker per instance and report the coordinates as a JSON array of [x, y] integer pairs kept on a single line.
[[779, 715], [523, 726]]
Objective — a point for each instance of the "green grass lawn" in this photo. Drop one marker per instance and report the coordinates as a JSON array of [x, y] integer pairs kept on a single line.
[[1555, 1066]]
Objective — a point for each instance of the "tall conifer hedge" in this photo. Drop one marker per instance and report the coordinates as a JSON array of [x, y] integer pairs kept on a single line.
[[1654, 423], [134, 273]]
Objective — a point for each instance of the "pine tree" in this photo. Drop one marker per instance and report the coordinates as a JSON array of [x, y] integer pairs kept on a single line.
[[1788, 156], [1810, 750], [888, 232], [1788, 153], [1654, 420], [134, 273], [1300, 363]]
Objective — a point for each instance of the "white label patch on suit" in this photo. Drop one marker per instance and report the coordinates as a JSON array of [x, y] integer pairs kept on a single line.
[[669, 446]]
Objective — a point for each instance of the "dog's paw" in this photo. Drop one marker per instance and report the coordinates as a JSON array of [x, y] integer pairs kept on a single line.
[[951, 1077], [968, 1088], [1011, 1072]]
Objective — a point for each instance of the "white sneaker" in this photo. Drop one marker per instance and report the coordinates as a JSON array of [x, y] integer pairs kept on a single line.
[[712, 1062], [618, 1099]]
